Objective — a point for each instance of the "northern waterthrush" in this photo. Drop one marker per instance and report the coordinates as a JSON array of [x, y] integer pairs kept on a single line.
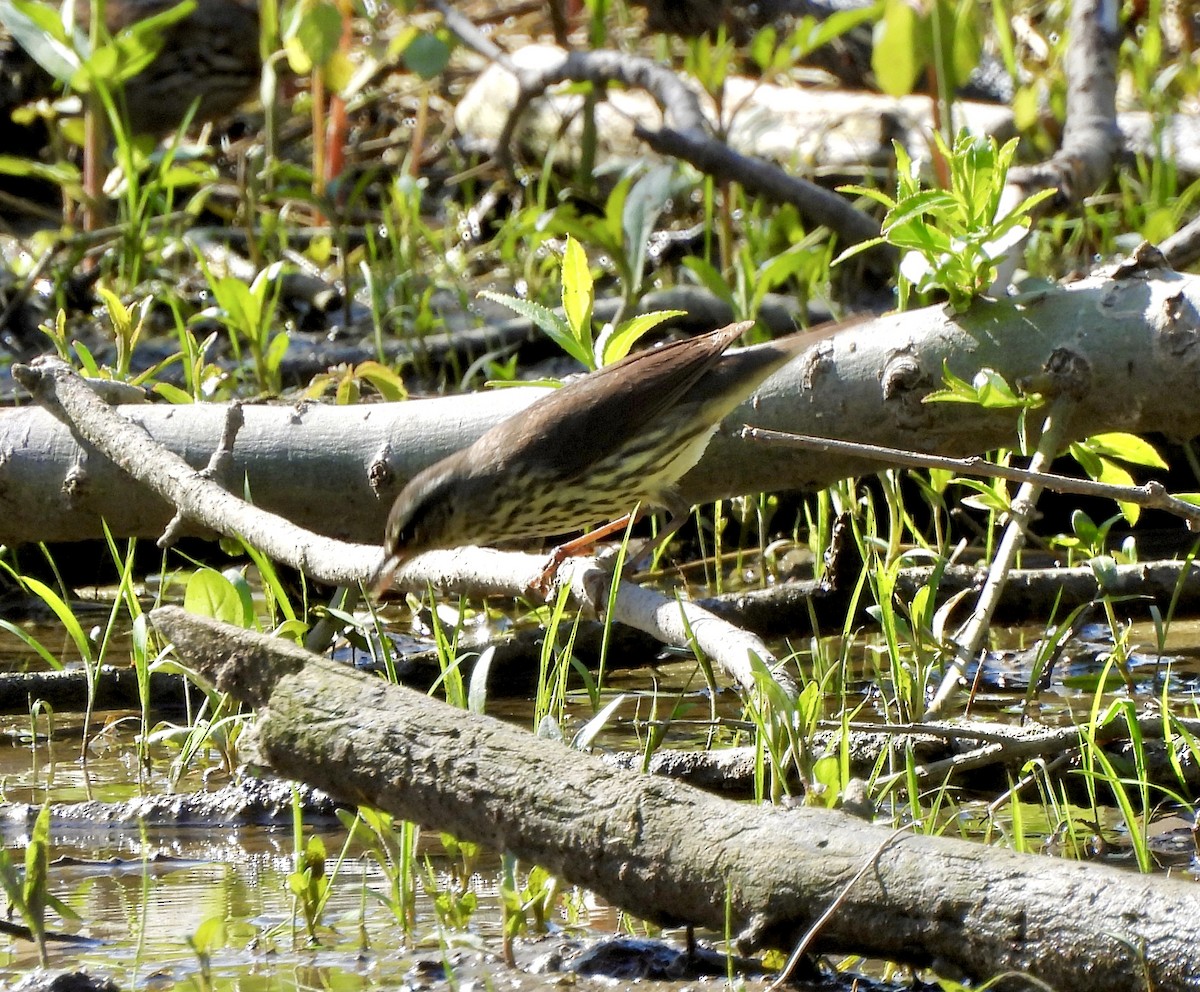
[[590, 451]]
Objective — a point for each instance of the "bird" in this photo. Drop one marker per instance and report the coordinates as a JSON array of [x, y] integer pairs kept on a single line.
[[621, 436]]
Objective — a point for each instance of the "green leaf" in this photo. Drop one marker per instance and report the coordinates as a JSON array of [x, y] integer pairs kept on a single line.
[[763, 47], [1026, 108], [965, 40], [896, 58], [61, 908], [128, 52], [1105, 570], [61, 173], [1128, 448], [1088, 460], [1112, 474], [709, 277], [399, 39], [64, 614], [957, 390], [1132, 512], [41, 17], [10, 879], [39, 30], [186, 175], [909, 211], [172, 394], [276, 351], [578, 294], [294, 630], [386, 381], [992, 392], [211, 594], [312, 36], [546, 320], [33, 643], [877, 195], [37, 872], [620, 342], [587, 734], [427, 55], [643, 206], [209, 936], [778, 270], [1085, 528], [271, 581], [611, 233], [838, 23], [87, 362], [990, 497], [827, 772], [857, 249]]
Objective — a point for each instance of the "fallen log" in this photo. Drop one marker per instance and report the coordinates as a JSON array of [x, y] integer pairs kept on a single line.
[[1134, 335], [673, 854]]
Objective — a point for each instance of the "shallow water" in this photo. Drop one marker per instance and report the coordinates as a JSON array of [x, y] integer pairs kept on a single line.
[[145, 911]]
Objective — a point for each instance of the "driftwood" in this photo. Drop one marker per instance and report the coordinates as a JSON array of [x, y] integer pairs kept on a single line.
[[200, 499], [976, 755], [784, 609], [801, 128], [1091, 138], [968, 754], [110, 687], [686, 133], [815, 131], [673, 854], [335, 470], [249, 802], [1145, 348]]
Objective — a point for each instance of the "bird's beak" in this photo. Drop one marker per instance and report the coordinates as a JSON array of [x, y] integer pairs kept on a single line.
[[386, 574]]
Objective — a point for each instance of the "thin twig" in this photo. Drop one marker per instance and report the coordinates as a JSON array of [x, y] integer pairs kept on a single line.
[[812, 932], [1152, 495], [969, 639]]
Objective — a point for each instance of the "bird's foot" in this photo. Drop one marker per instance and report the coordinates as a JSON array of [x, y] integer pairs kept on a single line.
[[544, 583]]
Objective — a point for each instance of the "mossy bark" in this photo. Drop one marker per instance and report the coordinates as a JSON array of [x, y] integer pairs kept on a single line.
[[672, 854]]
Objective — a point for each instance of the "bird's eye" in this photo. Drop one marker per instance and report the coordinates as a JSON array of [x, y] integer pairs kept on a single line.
[[420, 518], [400, 530]]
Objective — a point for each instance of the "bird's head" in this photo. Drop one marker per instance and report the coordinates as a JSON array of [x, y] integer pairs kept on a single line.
[[425, 516]]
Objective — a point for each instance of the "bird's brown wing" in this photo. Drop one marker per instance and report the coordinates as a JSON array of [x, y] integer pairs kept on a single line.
[[625, 399]]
